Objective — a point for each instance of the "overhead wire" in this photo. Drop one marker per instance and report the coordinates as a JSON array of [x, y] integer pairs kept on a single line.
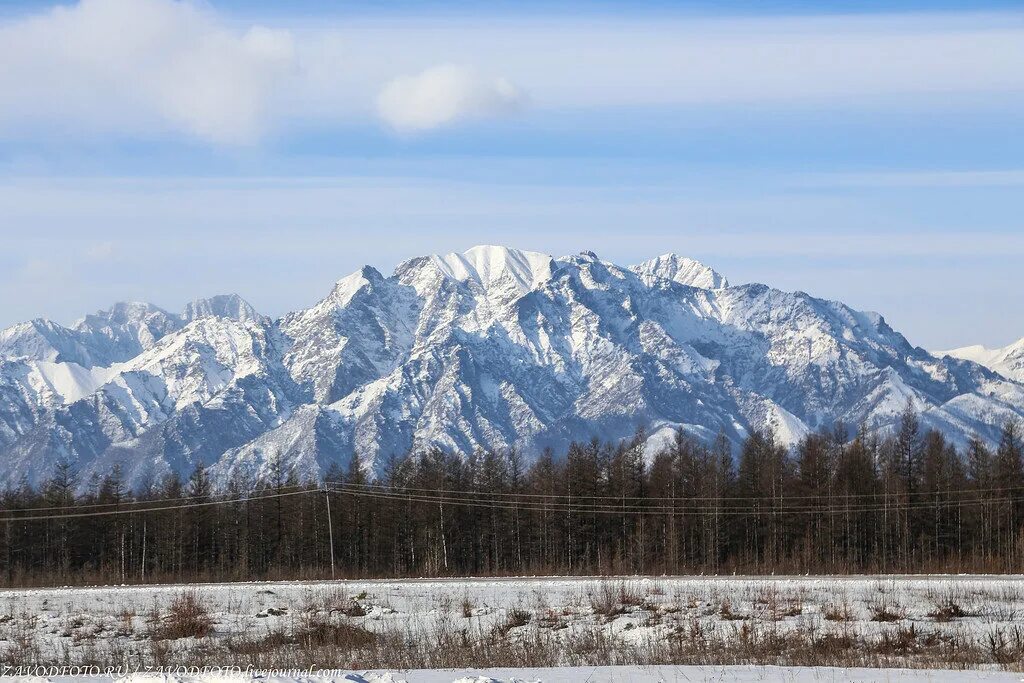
[[8, 517], [612, 505], [138, 501], [676, 511], [588, 496]]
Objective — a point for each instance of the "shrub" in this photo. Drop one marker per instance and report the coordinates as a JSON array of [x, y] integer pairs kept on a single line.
[[887, 611], [515, 618], [187, 617], [837, 612], [318, 633], [947, 611]]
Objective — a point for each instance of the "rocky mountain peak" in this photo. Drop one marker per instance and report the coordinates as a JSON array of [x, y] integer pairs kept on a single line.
[[681, 269], [221, 306], [347, 287], [488, 265]]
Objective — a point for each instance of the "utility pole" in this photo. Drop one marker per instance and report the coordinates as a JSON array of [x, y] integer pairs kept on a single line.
[[330, 527]]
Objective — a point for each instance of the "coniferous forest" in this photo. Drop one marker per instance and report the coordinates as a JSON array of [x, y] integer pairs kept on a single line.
[[836, 503]]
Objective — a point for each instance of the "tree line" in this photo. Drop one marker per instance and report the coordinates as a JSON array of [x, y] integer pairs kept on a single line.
[[834, 503]]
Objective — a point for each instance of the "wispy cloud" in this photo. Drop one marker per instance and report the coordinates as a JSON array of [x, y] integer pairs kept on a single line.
[[139, 66], [940, 61], [149, 67], [444, 94]]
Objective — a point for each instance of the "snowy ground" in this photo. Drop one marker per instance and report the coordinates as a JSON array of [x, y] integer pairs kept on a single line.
[[969, 621], [599, 674]]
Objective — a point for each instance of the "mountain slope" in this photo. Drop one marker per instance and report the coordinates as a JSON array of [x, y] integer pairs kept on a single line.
[[491, 348], [213, 385], [1008, 361]]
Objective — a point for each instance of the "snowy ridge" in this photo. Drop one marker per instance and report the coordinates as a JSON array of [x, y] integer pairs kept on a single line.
[[221, 306], [67, 382], [685, 271], [488, 265], [491, 348], [1008, 361]]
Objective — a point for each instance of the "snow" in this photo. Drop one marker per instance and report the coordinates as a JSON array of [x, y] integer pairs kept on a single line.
[[348, 287], [787, 428], [487, 265], [590, 674], [1007, 361], [976, 353], [195, 365], [663, 436], [41, 340], [69, 381], [55, 619], [683, 270], [123, 331], [221, 306], [891, 396], [488, 348], [295, 440]]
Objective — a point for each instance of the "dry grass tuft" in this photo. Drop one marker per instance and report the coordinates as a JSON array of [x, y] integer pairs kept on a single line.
[[887, 610], [612, 600], [514, 619], [837, 611], [725, 611], [948, 610], [187, 617]]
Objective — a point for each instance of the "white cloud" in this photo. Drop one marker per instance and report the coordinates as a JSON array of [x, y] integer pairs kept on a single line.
[[143, 68], [936, 62], [132, 66], [444, 94]]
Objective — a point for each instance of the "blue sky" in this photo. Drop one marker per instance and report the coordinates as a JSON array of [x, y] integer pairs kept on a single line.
[[163, 150]]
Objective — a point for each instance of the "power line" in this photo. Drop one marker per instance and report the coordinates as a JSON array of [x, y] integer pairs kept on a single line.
[[164, 508], [584, 508], [131, 501], [679, 512], [776, 508], [563, 496]]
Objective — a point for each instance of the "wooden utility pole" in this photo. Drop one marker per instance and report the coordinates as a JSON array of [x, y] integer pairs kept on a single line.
[[330, 528]]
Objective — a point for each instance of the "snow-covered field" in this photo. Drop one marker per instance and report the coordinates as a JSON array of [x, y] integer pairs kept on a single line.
[[595, 674], [934, 622]]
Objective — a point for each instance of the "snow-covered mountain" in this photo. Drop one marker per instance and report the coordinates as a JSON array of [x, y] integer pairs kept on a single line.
[[685, 271], [491, 348], [1007, 361]]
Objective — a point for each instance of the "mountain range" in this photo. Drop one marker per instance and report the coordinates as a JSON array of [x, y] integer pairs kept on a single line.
[[493, 348]]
